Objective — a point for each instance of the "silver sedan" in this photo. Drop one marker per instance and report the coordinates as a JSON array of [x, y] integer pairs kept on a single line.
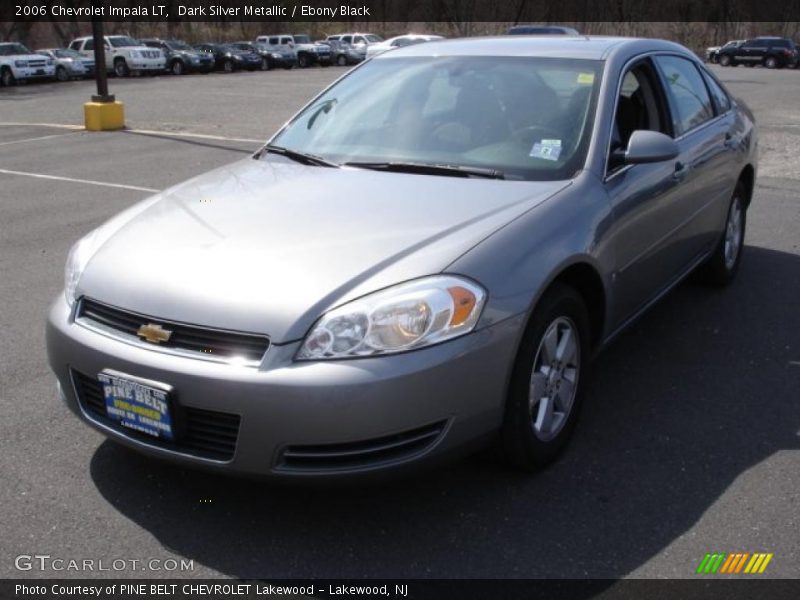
[[424, 259]]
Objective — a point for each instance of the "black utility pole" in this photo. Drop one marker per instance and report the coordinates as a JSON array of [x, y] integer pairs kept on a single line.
[[100, 74]]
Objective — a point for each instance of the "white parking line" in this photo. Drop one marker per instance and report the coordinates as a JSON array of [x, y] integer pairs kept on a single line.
[[36, 139], [73, 180], [202, 136]]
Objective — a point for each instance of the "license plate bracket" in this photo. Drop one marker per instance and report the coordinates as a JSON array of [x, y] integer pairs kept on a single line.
[[138, 404]]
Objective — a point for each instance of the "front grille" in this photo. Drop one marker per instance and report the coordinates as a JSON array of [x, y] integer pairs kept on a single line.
[[198, 432], [150, 53], [36, 63], [360, 455], [199, 341]]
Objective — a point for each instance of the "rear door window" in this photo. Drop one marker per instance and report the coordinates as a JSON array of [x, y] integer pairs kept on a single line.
[[688, 97]]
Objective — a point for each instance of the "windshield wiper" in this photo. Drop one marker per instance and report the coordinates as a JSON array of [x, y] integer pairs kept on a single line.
[[301, 157], [426, 169]]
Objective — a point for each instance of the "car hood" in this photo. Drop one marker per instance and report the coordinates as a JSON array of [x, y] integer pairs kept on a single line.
[[267, 246]]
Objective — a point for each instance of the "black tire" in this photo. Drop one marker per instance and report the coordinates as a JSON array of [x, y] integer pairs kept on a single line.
[[771, 62], [725, 60], [302, 61], [7, 77], [341, 60], [121, 68], [524, 446], [227, 66], [289, 67], [61, 74], [177, 67], [719, 270], [264, 63]]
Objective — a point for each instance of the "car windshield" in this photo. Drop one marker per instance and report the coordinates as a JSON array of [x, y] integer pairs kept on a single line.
[[67, 53], [12, 49], [529, 118], [373, 39], [302, 39], [228, 48], [123, 42], [242, 46], [183, 46]]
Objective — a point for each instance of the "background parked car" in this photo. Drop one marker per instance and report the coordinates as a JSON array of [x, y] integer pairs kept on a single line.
[[124, 55], [343, 54], [278, 57], [400, 41], [359, 41], [69, 63], [250, 47], [181, 57], [228, 58], [18, 63], [771, 52], [308, 52], [712, 53], [541, 30]]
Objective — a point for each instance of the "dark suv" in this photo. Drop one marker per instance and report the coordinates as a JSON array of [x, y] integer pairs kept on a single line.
[[772, 52]]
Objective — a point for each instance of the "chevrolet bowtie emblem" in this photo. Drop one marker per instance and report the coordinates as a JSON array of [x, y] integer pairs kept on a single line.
[[154, 333]]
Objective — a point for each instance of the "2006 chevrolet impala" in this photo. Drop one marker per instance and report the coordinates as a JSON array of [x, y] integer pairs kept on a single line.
[[425, 257]]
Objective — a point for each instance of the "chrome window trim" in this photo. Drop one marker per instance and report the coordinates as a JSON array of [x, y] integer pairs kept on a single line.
[[625, 68]]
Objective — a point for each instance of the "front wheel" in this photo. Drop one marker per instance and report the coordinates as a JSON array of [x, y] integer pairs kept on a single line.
[[227, 66], [341, 60], [7, 77], [302, 61], [61, 74], [177, 68], [265, 64], [771, 62], [121, 68], [724, 60], [548, 380]]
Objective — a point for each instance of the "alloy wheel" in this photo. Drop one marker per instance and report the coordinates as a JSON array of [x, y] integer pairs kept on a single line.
[[733, 233], [554, 379]]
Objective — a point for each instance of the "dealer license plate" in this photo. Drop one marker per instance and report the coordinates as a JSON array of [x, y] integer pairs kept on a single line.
[[142, 405]]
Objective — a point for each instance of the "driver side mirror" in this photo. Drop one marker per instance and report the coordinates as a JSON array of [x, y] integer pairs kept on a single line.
[[645, 146]]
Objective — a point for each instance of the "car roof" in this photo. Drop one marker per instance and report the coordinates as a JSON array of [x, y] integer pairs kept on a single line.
[[554, 46]]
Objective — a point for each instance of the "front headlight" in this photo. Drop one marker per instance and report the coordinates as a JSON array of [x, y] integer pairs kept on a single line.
[[134, 54], [403, 317], [77, 259], [276, 55], [20, 63]]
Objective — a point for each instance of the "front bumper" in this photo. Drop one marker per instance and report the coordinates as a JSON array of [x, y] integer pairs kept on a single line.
[[339, 417], [147, 64], [34, 72]]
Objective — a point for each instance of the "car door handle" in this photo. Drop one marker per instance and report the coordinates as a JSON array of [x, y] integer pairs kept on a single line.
[[681, 170]]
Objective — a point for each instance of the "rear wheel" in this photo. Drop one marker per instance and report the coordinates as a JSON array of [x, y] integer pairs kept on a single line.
[[265, 63], [227, 66], [303, 61], [722, 265], [771, 62], [341, 60], [549, 377], [61, 74]]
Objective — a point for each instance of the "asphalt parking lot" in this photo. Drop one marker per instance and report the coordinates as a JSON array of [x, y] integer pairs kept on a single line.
[[689, 443]]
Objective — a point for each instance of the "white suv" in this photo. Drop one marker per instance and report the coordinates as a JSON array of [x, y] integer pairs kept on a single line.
[[19, 63], [124, 55], [359, 41]]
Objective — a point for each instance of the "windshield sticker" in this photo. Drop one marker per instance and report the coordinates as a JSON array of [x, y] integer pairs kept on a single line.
[[546, 149], [586, 78]]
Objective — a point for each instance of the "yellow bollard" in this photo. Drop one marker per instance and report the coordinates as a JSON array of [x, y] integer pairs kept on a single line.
[[104, 116]]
